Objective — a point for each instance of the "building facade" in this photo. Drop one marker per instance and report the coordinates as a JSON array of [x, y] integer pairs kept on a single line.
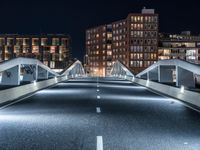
[[133, 41], [179, 46], [52, 49]]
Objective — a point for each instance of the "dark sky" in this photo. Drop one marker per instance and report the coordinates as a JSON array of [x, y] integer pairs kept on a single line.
[[73, 17]]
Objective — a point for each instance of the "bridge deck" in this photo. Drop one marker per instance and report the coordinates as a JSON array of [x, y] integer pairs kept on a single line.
[[124, 116]]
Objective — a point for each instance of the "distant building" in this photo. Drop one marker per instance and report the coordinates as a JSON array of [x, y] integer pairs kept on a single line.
[[52, 49], [133, 41], [179, 46]]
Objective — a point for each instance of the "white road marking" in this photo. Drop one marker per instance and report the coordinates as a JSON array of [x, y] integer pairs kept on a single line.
[[98, 109], [98, 97], [97, 90], [99, 143]]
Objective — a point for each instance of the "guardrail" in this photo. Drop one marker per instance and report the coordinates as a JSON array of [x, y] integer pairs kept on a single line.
[[74, 71], [120, 70], [152, 73], [172, 71], [18, 70]]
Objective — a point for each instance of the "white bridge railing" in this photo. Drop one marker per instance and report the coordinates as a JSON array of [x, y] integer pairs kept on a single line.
[[18, 70], [176, 71], [119, 70]]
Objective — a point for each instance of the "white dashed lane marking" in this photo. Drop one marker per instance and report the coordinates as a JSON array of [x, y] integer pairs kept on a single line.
[[98, 109], [99, 143]]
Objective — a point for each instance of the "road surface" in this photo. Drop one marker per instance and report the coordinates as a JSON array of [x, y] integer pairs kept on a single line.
[[99, 114]]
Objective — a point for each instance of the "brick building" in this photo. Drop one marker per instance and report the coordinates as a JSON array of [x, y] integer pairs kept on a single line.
[[133, 41]]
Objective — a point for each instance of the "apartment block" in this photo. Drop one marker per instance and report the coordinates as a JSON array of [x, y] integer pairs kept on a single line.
[[133, 41], [52, 49], [182, 46]]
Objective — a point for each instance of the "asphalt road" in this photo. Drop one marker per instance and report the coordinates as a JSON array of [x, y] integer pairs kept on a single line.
[[99, 114]]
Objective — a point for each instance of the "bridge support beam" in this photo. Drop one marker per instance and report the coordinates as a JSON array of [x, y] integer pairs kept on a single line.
[[185, 78], [166, 74], [11, 76], [153, 74], [30, 73], [42, 73]]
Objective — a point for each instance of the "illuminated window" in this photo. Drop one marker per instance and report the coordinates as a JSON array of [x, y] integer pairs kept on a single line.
[[52, 64], [52, 49], [97, 35], [108, 47], [60, 57], [35, 49], [16, 49], [109, 53], [135, 19], [10, 41], [26, 41], [44, 41], [55, 41], [35, 41], [19, 41], [26, 49], [109, 64], [109, 35], [2, 41], [45, 63], [64, 41]]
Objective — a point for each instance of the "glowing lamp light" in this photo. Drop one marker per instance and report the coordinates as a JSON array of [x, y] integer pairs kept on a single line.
[[34, 83], [125, 77], [147, 84], [56, 79], [182, 89], [133, 79], [21, 77]]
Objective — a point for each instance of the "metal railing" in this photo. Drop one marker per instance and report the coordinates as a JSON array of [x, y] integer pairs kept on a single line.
[[176, 71], [75, 70], [18, 70], [121, 71]]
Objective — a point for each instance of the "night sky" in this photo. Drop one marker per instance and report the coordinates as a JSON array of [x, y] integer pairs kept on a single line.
[[73, 17]]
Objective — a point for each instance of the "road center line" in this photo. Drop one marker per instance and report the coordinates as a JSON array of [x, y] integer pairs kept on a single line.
[[99, 143], [97, 90], [98, 97], [98, 109]]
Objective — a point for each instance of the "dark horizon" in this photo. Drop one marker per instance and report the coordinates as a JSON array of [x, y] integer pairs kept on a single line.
[[74, 17]]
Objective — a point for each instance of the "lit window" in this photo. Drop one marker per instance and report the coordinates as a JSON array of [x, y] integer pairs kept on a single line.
[[109, 53], [108, 47], [35, 41], [97, 35], [52, 49], [55, 41], [35, 49], [52, 64], [44, 41]]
